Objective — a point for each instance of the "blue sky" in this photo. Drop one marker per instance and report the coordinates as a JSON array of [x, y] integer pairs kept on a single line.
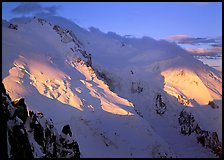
[[182, 22], [157, 20]]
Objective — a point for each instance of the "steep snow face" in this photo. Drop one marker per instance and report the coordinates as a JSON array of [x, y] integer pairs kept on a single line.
[[188, 78], [186, 83], [55, 84], [112, 52], [148, 58], [166, 60], [47, 73], [68, 74]]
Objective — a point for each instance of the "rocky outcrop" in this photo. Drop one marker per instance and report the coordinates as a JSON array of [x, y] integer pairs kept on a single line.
[[21, 108], [187, 123], [104, 76], [160, 105], [184, 101], [207, 139], [67, 35], [13, 26], [16, 142], [213, 105], [68, 147], [88, 56], [41, 21], [210, 140], [32, 135]]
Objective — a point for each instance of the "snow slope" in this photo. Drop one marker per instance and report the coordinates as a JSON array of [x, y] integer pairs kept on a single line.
[[49, 68]]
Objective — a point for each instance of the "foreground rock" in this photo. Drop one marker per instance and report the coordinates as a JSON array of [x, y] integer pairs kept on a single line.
[[207, 139], [26, 134]]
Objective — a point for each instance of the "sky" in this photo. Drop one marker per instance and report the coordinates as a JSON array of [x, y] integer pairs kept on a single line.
[[154, 19], [195, 26]]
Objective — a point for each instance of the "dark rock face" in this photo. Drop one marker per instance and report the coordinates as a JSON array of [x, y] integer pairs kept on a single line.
[[21, 110], [13, 130], [3, 89], [67, 36], [66, 130], [106, 79], [213, 105], [210, 140], [18, 140], [3, 125], [32, 135], [205, 138], [88, 57], [13, 26], [44, 134], [160, 105], [41, 21], [187, 123], [67, 145]]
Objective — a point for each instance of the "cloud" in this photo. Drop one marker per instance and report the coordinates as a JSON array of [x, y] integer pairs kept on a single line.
[[205, 51], [47, 11], [25, 8], [177, 37], [216, 45], [34, 8], [197, 41], [186, 39]]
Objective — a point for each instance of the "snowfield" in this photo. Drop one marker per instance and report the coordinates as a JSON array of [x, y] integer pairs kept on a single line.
[[121, 96]]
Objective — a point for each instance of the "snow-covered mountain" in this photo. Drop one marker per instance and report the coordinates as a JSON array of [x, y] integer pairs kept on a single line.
[[122, 96]]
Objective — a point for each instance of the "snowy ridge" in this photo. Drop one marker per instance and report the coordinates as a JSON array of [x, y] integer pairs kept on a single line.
[[120, 95]]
